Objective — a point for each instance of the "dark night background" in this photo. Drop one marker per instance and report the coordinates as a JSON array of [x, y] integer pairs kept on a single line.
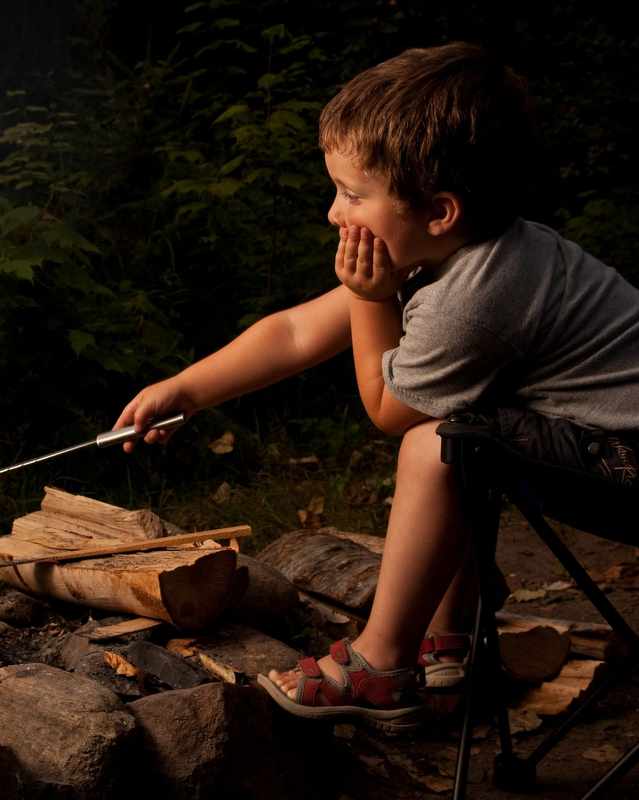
[[161, 188]]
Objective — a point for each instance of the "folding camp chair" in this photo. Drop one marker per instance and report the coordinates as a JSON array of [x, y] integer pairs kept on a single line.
[[488, 469]]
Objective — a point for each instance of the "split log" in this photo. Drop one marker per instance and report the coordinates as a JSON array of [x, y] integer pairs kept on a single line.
[[556, 696], [188, 587], [535, 655], [336, 568], [587, 639], [236, 653], [267, 597]]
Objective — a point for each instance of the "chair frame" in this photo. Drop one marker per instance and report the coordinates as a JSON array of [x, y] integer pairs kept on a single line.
[[479, 458]]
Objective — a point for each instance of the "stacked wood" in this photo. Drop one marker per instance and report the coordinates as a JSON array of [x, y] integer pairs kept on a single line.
[[188, 586]]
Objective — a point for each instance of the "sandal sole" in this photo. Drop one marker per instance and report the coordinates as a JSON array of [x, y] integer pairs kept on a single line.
[[394, 720]]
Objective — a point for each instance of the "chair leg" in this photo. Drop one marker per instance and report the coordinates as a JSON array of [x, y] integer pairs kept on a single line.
[[463, 752]]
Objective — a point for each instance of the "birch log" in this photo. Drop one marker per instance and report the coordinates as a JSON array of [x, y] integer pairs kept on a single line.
[[336, 568], [188, 587]]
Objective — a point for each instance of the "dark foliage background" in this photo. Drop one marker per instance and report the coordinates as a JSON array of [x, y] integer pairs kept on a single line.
[[161, 188]]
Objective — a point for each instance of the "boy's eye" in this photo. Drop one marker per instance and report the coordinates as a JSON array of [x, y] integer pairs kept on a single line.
[[349, 195]]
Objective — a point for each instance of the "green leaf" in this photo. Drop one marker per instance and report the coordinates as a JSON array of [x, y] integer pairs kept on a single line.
[[20, 268], [269, 80], [275, 32], [18, 217], [80, 340], [224, 188], [232, 165], [194, 7], [189, 210], [231, 112], [290, 179], [284, 119], [68, 239], [226, 22], [190, 28]]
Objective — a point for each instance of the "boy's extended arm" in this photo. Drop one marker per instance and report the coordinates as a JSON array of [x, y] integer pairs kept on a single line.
[[274, 348]]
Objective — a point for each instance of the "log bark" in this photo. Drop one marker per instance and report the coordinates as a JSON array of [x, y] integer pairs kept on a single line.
[[188, 587], [336, 568]]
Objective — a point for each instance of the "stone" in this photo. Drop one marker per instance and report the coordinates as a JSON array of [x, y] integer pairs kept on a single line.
[[215, 740], [21, 610], [170, 669], [4, 628], [68, 736]]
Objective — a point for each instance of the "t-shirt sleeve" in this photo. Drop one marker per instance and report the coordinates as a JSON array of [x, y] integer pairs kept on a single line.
[[444, 363]]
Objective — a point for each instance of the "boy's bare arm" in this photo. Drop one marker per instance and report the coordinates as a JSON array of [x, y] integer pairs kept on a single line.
[[274, 348], [376, 326]]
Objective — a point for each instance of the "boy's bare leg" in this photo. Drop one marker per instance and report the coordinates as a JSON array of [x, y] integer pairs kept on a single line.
[[426, 545]]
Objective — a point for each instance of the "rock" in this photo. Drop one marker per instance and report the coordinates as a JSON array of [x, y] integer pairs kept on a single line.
[[214, 740], [224, 741], [4, 628], [21, 610], [169, 668], [69, 736]]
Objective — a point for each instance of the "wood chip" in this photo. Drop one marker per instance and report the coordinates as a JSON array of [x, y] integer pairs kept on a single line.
[[123, 628], [120, 664]]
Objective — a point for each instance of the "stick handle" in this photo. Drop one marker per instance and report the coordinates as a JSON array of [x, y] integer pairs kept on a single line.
[[129, 433]]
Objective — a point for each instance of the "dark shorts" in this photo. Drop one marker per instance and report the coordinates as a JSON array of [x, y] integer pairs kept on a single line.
[[612, 456], [586, 478]]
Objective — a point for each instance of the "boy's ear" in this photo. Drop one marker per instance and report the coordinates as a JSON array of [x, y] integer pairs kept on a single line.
[[445, 213]]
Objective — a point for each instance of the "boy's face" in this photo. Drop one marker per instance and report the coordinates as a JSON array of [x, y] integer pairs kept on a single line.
[[363, 200]]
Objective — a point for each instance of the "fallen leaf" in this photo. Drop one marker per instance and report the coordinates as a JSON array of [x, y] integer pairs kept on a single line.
[[120, 664], [604, 754], [526, 595], [344, 730], [182, 647], [316, 506], [224, 444], [304, 461], [438, 784], [222, 494], [523, 720], [375, 764], [558, 586]]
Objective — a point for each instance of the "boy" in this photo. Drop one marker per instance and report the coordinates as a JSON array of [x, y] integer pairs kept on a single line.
[[450, 302]]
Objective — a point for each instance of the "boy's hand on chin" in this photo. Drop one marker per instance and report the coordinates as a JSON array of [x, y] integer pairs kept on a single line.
[[363, 265]]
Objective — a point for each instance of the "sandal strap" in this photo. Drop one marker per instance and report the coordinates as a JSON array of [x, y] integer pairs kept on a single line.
[[450, 644], [361, 683]]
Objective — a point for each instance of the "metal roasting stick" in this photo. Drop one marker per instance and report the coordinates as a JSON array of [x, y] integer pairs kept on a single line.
[[105, 439]]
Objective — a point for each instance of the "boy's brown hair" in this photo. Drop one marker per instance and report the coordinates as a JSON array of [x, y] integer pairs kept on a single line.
[[450, 118]]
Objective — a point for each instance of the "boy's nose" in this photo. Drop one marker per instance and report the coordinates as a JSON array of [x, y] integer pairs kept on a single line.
[[335, 217]]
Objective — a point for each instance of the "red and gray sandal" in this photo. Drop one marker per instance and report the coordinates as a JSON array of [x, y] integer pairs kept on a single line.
[[385, 698], [440, 674]]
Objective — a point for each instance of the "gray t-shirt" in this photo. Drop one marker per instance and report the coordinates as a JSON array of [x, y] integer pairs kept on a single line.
[[529, 319]]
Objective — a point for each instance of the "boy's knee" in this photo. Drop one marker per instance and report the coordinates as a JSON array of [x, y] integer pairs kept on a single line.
[[422, 444]]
